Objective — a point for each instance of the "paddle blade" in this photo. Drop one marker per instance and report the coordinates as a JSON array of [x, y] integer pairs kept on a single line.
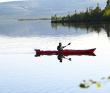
[[69, 43], [70, 59]]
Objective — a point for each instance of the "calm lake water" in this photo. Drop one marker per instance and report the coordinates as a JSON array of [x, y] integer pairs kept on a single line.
[[22, 72]]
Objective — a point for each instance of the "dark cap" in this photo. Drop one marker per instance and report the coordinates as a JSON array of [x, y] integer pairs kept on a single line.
[[59, 42]]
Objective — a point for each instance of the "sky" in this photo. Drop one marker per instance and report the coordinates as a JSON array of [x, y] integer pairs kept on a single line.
[[16, 9]]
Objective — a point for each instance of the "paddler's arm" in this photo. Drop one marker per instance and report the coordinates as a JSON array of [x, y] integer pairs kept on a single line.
[[63, 46]]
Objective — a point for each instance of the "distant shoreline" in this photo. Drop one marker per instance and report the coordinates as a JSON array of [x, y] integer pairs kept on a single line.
[[34, 19]]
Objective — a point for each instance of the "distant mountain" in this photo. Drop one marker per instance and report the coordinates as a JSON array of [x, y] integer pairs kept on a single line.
[[45, 8]]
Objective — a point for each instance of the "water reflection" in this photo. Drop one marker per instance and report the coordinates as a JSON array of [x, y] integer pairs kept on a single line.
[[61, 57], [66, 57], [45, 28], [94, 27]]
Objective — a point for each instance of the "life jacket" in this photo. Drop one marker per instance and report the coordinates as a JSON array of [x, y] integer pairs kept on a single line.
[[59, 48]]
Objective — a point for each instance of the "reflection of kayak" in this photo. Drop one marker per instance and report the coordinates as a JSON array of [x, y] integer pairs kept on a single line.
[[66, 52]]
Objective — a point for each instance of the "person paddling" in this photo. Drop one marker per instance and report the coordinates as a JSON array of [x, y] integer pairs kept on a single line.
[[60, 47]]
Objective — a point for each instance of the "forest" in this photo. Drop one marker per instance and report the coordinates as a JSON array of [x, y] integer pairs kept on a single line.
[[91, 15]]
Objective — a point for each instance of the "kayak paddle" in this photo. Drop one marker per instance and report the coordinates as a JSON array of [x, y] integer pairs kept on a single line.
[[68, 59], [67, 45]]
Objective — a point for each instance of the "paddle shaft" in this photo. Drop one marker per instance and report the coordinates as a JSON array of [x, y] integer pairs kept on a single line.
[[67, 45], [68, 59]]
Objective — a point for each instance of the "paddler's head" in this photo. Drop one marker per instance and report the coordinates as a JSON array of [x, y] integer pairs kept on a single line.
[[60, 44]]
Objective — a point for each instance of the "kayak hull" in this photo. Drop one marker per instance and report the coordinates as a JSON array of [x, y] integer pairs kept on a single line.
[[66, 52]]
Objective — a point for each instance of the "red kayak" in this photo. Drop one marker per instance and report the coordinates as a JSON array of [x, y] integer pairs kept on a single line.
[[66, 52]]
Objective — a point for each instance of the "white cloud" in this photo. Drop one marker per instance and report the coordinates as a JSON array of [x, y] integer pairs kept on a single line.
[[21, 8], [10, 0]]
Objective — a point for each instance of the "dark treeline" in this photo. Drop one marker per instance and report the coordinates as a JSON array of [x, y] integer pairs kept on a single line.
[[91, 15], [34, 19], [90, 27]]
